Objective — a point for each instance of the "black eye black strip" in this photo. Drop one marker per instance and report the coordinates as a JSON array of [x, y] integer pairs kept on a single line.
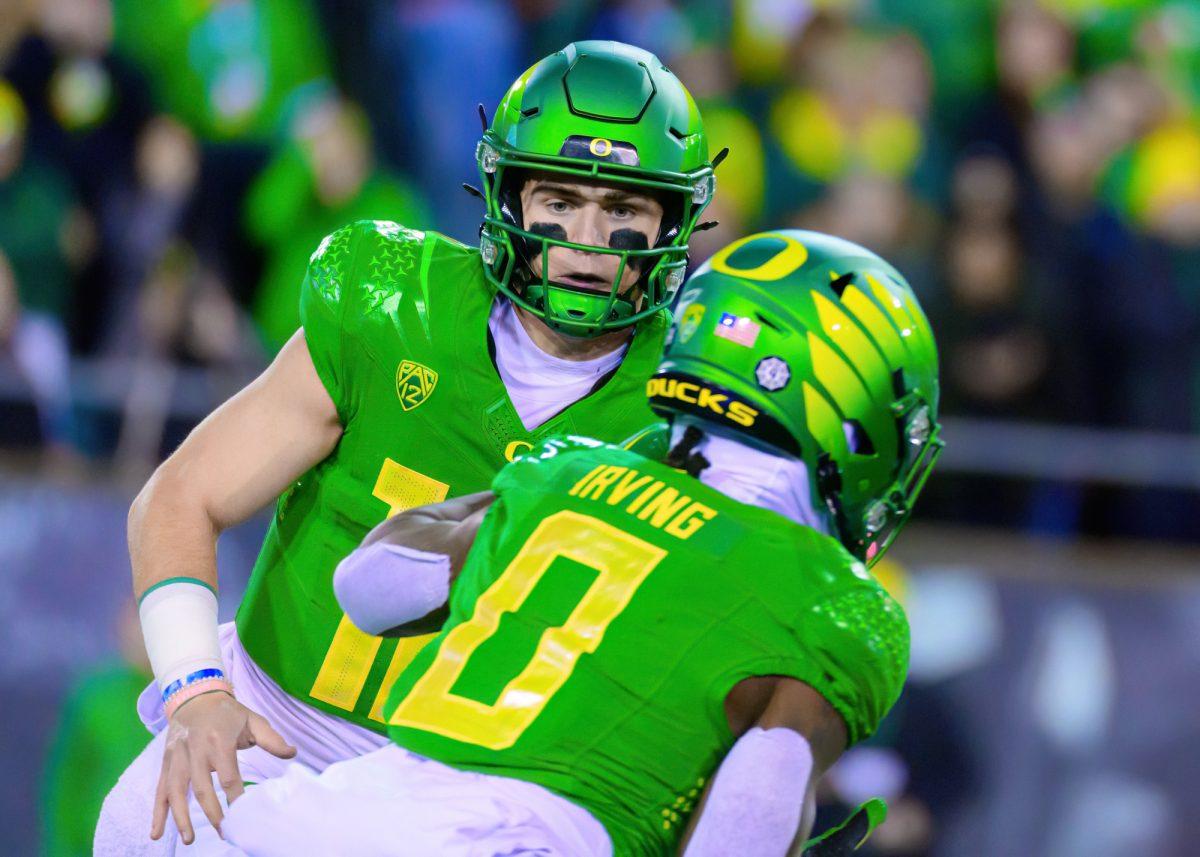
[[550, 230], [628, 239]]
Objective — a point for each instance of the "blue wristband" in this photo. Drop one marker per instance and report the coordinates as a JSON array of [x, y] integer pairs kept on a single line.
[[179, 684]]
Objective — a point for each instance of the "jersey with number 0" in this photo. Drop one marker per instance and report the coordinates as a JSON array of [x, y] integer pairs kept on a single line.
[[396, 322], [606, 609]]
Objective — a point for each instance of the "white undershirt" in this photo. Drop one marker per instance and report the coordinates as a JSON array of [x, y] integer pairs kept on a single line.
[[757, 478], [540, 384]]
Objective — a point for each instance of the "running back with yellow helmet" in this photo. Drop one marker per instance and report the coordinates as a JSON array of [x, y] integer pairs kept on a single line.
[[813, 347]]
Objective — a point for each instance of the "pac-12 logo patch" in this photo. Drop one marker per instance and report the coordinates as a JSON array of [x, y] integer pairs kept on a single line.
[[414, 383]]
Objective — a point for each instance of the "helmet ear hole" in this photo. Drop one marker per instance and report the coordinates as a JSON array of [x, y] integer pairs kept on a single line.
[[857, 439]]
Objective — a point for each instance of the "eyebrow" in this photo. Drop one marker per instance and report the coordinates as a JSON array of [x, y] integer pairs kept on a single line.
[[610, 195]]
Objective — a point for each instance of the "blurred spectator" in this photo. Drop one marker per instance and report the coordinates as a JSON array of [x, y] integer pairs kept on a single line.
[[98, 735], [232, 72], [852, 127], [41, 240], [708, 68], [145, 219], [86, 108], [761, 33], [439, 59], [1155, 183], [172, 305], [995, 356], [228, 69], [86, 105], [325, 178], [1035, 51]]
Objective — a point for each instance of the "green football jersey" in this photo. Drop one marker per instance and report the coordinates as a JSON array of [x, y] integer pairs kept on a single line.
[[396, 322], [607, 608]]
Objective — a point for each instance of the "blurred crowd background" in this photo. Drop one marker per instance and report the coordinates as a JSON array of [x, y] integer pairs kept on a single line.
[[1033, 168]]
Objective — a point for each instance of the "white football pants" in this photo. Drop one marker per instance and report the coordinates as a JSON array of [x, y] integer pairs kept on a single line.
[[393, 803], [320, 740]]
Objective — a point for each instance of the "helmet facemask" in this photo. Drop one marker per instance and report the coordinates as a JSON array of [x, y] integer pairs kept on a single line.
[[509, 247], [868, 529]]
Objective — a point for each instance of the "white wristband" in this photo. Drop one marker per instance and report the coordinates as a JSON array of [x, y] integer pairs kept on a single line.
[[179, 626]]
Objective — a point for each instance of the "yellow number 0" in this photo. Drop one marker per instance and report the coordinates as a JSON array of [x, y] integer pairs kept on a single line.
[[351, 653], [623, 562]]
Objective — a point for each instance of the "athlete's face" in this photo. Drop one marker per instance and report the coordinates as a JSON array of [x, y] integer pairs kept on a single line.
[[608, 215]]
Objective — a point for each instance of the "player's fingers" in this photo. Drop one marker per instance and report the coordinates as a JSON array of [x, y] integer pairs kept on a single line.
[[159, 820], [265, 736], [228, 774], [177, 796], [202, 788]]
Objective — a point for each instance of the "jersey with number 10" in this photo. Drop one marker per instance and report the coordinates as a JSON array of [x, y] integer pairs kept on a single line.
[[606, 609], [396, 322]]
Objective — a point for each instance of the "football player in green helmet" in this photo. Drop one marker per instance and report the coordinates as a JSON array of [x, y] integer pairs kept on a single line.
[[819, 351], [620, 121], [423, 366], [656, 657]]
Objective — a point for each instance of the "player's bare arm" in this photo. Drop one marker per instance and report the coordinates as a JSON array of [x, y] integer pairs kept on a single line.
[[235, 462], [448, 527], [764, 791], [397, 582]]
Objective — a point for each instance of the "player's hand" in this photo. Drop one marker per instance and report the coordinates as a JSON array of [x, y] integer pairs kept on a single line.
[[204, 735]]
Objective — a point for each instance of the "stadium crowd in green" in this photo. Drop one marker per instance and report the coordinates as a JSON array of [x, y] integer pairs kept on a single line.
[[1033, 167]]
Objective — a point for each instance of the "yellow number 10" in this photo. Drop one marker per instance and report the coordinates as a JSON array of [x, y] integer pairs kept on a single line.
[[352, 653], [623, 562]]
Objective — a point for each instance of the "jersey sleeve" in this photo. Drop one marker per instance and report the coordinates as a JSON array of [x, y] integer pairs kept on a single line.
[[856, 655], [324, 296]]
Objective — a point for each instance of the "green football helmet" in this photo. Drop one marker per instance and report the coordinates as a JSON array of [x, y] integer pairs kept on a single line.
[[813, 347], [600, 111]]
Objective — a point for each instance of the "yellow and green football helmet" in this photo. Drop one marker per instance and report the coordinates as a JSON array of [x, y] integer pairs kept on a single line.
[[600, 111], [814, 347]]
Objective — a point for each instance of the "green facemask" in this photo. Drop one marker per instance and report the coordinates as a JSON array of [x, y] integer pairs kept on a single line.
[[594, 112]]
